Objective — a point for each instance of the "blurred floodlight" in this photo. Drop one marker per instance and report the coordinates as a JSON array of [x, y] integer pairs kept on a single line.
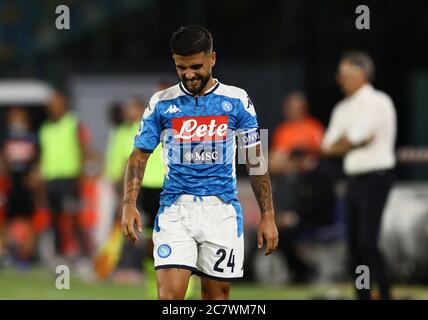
[[24, 92]]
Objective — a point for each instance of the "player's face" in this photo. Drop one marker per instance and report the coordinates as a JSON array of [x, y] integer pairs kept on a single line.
[[195, 70]]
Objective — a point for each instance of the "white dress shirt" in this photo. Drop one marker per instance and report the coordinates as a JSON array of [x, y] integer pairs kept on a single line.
[[367, 113]]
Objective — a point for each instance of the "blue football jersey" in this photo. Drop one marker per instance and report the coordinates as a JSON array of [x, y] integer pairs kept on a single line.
[[199, 137]]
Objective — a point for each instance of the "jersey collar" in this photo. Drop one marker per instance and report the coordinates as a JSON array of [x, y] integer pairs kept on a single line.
[[209, 91]]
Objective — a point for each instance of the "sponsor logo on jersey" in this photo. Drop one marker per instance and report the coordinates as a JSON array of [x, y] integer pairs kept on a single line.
[[202, 156], [172, 109], [200, 128], [164, 251]]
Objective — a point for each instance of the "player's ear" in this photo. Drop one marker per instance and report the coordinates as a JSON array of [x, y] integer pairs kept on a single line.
[[213, 59]]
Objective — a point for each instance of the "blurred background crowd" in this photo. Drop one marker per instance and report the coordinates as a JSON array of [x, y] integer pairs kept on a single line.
[[71, 102]]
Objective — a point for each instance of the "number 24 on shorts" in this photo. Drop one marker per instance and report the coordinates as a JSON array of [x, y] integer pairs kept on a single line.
[[230, 262]]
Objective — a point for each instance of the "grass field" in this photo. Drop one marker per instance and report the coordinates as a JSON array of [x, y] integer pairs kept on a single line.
[[39, 284]]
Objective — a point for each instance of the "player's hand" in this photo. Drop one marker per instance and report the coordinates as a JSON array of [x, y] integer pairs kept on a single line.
[[269, 232], [130, 218]]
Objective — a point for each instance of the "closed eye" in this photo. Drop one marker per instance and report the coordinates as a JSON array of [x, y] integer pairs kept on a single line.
[[196, 66]]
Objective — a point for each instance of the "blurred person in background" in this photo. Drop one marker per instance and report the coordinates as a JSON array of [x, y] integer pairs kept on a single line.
[[130, 264], [19, 153], [113, 166], [299, 132], [64, 145], [303, 196], [107, 256], [362, 128]]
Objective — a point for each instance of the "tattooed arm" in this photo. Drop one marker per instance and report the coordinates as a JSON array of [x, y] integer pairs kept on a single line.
[[133, 177], [260, 183]]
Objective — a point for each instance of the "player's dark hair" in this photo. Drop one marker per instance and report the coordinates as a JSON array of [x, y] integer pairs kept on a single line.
[[361, 60], [192, 39], [115, 113]]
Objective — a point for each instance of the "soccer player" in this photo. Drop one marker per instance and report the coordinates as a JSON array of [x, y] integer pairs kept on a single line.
[[19, 151], [61, 166], [199, 225]]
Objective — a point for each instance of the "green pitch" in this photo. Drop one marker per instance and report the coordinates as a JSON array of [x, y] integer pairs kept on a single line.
[[39, 284]]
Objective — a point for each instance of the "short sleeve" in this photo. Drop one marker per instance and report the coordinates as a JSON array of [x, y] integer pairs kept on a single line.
[[247, 118], [247, 126], [148, 134]]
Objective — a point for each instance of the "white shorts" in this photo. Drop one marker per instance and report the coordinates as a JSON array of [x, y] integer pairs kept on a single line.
[[203, 234]]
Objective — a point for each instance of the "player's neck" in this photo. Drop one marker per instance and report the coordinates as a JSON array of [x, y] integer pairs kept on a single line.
[[211, 83]]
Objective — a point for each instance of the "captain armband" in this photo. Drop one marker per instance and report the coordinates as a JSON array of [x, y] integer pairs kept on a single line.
[[248, 138]]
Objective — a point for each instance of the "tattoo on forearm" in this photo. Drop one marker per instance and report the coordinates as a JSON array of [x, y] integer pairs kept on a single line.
[[262, 190], [259, 177], [133, 177]]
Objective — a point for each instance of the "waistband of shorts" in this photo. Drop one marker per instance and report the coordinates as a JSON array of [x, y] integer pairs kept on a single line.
[[198, 200]]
